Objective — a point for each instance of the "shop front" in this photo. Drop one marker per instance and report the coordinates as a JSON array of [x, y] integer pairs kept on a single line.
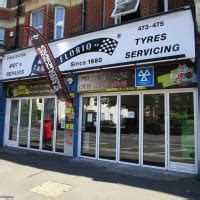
[[152, 125], [36, 118], [135, 92]]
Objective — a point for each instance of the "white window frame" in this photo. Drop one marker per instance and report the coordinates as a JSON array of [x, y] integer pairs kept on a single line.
[[166, 5], [55, 23], [117, 19], [31, 20], [31, 23], [172, 166], [4, 4], [11, 143], [3, 41], [127, 12]]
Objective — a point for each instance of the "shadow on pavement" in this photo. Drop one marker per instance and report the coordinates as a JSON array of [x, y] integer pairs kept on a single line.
[[179, 184]]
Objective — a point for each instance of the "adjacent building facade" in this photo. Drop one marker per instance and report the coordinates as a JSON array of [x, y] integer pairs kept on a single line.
[[131, 68]]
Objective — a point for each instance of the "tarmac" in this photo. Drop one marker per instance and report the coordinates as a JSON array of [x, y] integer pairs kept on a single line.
[[30, 175]]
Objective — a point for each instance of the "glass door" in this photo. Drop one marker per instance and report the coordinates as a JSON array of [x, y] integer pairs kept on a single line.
[[154, 130], [32, 124], [35, 128], [60, 127], [24, 123], [89, 124], [13, 125], [181, 131], [48, 124], [129, 129], [108, 127]]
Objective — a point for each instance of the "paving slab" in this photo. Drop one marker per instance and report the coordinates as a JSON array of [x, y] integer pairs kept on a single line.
[[23, 173]]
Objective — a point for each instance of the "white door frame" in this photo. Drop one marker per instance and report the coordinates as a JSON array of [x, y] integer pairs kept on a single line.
[[142, 121], [183, 167], [98, 131], [140, 127], [19, 116], [168, 165], [8, 142]]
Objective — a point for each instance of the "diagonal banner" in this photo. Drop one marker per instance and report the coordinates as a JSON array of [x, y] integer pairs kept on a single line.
[[49, 64]]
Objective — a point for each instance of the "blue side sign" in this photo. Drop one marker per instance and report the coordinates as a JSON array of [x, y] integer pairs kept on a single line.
[[144, 77]]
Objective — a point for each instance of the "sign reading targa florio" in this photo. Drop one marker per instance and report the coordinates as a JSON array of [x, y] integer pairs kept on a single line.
[[168, 36]]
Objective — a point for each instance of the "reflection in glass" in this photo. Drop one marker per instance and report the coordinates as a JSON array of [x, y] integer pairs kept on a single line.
[[154, 130], [48, 121], [24, 122], [108, 121], [88, 138], [129, 129], [60, 127], [13, 120], [35, 123], [182, 128]]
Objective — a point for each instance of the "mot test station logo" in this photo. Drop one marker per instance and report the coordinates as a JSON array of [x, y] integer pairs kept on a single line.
[[144, 77]]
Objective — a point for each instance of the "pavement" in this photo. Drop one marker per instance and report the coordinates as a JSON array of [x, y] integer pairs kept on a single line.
[[30, 175]]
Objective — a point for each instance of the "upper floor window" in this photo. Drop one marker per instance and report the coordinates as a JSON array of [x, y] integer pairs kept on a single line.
[[59, 22], [3, 3], [2, 31], [37, 20], [123, 7]]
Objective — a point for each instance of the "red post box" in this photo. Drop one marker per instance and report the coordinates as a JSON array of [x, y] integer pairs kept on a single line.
[[47, 129]]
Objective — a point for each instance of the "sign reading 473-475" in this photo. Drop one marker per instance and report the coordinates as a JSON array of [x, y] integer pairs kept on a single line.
[[144, 77]]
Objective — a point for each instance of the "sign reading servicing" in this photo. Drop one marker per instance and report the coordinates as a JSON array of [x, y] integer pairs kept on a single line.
[[144, 76], [168, 36]]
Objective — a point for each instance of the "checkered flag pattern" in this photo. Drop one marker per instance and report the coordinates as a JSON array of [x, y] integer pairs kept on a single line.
[[108, 46]]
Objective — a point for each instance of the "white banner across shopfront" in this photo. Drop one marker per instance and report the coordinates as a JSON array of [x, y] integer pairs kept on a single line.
[[167, 36]]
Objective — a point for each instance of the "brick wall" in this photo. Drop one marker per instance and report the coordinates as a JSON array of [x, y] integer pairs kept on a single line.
[[76, 22], [50, 22], [6, 14], [150, 7], [10, 41], [27, 23], [179, 3], [46, 21], [109, 5], [73, 19], [93, 14], [11, 12], [98, 14], [12, 3], [8, 22], [20, 39]]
